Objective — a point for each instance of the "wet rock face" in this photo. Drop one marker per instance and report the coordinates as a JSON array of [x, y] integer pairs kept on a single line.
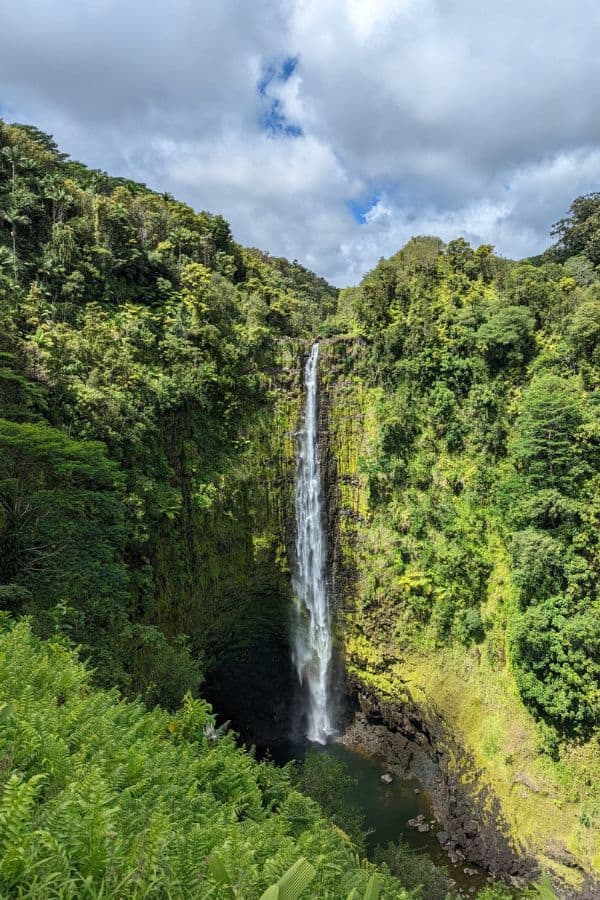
[[377, 740], [410, 743]]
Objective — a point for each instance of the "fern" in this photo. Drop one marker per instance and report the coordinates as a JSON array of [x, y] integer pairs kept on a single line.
[[293, 883], [103, 800], [16, 809]]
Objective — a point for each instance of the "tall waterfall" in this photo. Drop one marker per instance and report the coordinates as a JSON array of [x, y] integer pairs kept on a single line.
[[312, 633]]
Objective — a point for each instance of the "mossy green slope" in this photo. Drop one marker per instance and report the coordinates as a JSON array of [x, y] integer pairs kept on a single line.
[[467, 518]]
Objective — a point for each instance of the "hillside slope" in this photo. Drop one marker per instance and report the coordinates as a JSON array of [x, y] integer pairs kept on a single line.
[[143, 447], [465, 427]]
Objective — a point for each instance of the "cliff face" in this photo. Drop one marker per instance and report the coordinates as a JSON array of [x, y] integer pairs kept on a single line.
[[239, 601], [346, 428], [222, 573], [504, 805]]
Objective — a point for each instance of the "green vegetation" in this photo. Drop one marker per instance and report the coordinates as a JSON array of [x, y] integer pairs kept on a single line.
[[466, 434], [148, 397], [327, 781], [137, 346], [415, 871], [101, 798], [488, 429]]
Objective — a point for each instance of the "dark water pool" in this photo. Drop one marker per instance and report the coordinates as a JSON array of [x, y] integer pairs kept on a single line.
[[244, 696], [388, 807]]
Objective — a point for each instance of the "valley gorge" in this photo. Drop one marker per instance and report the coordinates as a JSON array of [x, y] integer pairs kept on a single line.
[[392, 714], [358, 523]]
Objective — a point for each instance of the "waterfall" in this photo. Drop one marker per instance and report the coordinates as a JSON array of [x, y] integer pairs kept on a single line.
[[312, 641]]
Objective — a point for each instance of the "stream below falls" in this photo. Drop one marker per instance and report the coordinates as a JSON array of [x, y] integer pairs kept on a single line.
[[387, 808]]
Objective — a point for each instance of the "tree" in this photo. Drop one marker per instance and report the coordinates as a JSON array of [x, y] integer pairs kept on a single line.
[[545, 442], [579, 232], [583, 331], [581, 269], [534, 287], [506, 338], [62, 532], [463, 258], [556, 649]]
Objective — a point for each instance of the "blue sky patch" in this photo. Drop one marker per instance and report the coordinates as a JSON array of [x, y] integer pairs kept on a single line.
[[273, 118], [276, 71], [360, 208]]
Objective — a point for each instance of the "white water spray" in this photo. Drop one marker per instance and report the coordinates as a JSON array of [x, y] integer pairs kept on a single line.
[[312, 632]]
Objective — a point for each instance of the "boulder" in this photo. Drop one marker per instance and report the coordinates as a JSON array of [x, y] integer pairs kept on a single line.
[[471, 827]]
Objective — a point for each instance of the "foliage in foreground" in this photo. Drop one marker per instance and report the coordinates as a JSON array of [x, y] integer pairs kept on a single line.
[[416, 871], [101, 798], [327, 781]]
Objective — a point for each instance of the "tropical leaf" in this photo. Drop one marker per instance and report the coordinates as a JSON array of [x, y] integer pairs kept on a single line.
[[291, 885]]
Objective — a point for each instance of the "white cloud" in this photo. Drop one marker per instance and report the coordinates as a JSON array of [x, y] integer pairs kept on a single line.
[[458, 122], [371, 16]]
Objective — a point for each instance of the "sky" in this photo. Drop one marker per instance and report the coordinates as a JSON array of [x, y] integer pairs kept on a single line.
[[328, 131]]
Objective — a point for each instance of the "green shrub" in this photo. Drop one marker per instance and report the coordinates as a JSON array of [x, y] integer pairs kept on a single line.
[[416, 871], [101, 798]]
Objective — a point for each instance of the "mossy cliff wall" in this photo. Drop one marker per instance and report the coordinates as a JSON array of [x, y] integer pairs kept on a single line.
[[223, 572], [221, 566], [460, 703]]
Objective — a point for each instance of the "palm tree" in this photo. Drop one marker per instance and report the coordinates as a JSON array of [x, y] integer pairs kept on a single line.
[[14, 216], [19, 197]]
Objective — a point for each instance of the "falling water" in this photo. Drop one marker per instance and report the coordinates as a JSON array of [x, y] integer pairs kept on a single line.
[[312, 632]]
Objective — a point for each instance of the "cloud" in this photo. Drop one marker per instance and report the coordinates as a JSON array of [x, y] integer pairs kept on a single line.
[[326, 130]]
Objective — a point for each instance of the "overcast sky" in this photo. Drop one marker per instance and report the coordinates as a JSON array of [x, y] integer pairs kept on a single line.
[[324, 130]]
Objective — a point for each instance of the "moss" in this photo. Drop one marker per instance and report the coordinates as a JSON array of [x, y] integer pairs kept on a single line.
[[222, 573]]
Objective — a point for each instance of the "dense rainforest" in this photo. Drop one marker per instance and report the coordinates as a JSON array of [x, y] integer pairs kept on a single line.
[[137, 341], [149, 391], [467, 429], [488, 429]]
